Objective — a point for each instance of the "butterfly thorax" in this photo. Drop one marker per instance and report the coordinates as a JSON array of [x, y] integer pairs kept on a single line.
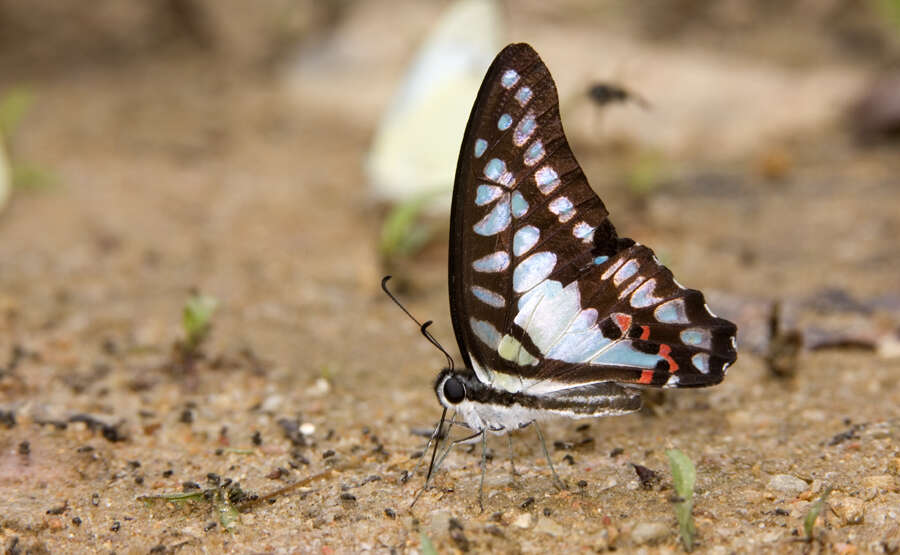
[[483, 407]]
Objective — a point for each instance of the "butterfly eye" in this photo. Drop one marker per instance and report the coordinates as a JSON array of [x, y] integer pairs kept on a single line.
[[454, 391]]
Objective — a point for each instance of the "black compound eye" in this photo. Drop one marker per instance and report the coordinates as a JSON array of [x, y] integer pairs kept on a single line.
[[454, 391]]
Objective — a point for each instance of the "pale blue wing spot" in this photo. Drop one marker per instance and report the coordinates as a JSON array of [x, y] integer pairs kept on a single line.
[[524, 129], [496, 220], [486, 194], [533, 270], [480, 146], [621, 353], [643, 295], [631, 286], [494, 169], [612, 269], [671, 312], [629, 269], [600, 260], [504, 122], [523, 95], [488, 297], [547, 180], [552, 317], [701, 362], [696, 337], [494, 262], [563, 208], [534, 154], [509, 78], [524, 239], [519, 205], [583, 231], [486, 332]]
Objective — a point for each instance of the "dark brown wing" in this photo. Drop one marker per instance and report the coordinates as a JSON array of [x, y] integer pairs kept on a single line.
[[543, 293]]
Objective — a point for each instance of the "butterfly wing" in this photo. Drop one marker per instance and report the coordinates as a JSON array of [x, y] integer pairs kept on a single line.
[[544, 294]]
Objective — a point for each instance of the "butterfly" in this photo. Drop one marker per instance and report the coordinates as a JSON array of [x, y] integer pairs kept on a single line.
[[553, 311]]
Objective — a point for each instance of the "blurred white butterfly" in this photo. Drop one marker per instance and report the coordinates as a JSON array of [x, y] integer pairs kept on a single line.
[[416, 145]]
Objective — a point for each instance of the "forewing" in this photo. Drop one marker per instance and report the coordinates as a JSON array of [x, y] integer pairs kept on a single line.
[[543, 293]]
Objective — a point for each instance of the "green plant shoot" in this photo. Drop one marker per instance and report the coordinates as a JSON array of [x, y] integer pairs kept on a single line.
[[196, 319], [13, 106], [427, 546], [403, 232], [684, 475], [809, 521]]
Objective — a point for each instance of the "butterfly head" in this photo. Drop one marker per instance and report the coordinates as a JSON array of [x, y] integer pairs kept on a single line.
[[453, 387]]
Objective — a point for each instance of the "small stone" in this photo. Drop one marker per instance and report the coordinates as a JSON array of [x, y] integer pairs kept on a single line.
[[894, 466], [271, 403], [599, 541], [440, 524], [884, 482], [849, 509], [548, 526], [522, 521], [649, 532], [787, 484], [320, 388], [845, 548], [307, 428]]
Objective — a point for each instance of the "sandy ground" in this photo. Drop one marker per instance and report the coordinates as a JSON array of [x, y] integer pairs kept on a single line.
[[186, 168]]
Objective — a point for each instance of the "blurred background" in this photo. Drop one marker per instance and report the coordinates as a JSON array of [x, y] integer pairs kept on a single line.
[[280, 156]]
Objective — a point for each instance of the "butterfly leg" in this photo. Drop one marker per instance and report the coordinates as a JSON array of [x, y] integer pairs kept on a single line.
[[512, 464], [559, 483], [483, 469], [432, 467]]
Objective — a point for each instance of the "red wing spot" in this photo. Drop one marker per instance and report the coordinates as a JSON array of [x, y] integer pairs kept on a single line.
[[664, 351], [646, 377], [645, 334], [623, 321]]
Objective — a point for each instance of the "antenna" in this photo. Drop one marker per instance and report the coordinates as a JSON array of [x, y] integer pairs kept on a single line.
[[422, 327]]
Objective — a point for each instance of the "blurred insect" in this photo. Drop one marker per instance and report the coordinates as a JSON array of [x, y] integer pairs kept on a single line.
[[604, 93]]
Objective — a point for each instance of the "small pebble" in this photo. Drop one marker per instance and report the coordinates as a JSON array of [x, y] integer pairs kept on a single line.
[[459, 538], [550, 527], [307, 428], [884, 482], [649, 532], [849, 509], [440, 523], [787, 485], [348, 497], [494, 530], [390, 513], [522, 521]]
